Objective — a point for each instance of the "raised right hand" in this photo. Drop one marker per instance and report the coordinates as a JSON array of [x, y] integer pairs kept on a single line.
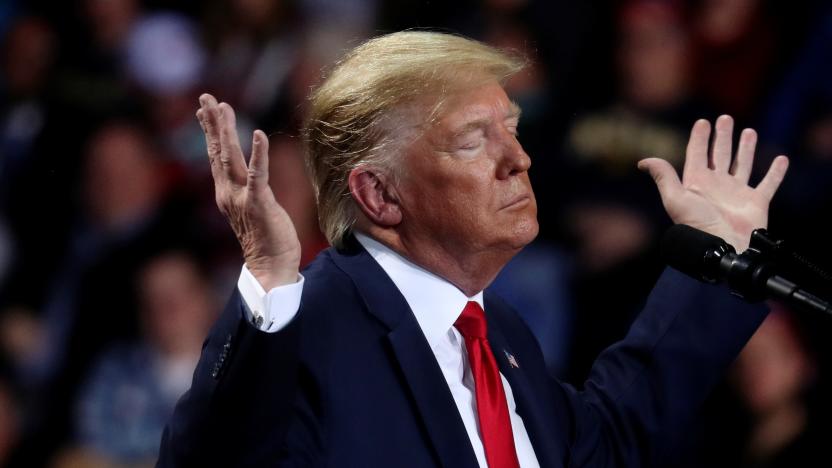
[[271, 248]]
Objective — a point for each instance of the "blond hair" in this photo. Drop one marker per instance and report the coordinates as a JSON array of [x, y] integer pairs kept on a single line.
[[353, 114]]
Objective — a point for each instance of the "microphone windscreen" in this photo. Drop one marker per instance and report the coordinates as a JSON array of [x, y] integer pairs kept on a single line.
[[685, 249]]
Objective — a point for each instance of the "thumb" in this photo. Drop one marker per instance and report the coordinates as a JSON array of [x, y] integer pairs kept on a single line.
[[665, 177], [258, 166]]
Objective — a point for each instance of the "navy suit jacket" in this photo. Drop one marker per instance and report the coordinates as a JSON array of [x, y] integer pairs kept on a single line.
[[351, 381]]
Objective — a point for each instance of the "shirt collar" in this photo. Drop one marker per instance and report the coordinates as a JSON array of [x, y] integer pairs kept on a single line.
[[435, 302]]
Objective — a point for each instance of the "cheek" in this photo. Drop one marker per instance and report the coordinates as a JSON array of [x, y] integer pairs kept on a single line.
[[456, 186], [450, 205], [470, 198], [452, 211]]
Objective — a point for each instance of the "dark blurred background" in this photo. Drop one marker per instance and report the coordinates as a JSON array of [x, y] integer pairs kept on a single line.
[[114, 260]]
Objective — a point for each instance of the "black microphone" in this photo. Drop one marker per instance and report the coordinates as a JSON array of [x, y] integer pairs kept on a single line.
[[753, 275]]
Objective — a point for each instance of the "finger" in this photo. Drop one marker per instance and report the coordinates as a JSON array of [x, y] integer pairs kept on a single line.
[[721, 154], [208, 119], [665, 177], [258, 166], [771, 182], [202, 117], [696, 155], [744, 161], [231, 156]]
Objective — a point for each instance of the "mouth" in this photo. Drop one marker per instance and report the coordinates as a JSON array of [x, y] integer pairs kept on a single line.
[[518, 202]]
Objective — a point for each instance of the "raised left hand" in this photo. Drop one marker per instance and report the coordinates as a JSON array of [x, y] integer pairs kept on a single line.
[[714, 195]]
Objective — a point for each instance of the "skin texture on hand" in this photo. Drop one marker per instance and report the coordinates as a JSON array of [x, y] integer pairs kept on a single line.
[[271, 248], [713, 194]]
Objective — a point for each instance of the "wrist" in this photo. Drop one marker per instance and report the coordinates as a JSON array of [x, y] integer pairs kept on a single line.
[[739, 243], [740, 240], [271, 276], [739, 234]]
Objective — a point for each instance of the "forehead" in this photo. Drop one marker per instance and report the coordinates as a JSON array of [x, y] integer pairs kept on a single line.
[[486, 101]]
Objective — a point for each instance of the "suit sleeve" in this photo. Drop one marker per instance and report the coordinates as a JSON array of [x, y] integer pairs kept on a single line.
[[643, 391], [243, 399]]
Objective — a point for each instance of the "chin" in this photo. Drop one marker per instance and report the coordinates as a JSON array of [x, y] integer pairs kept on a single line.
[[529, 232], [524, 232]]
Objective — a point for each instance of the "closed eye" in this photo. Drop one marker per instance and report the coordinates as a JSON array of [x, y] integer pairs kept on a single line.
[[470, 141], [472, 145]]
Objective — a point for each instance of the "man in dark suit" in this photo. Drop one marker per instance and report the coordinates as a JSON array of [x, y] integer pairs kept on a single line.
[[386, 351]]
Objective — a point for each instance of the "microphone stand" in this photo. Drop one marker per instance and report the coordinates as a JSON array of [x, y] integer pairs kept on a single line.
[[751, 275]]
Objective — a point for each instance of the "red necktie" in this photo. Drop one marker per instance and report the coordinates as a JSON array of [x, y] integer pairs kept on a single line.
[[492, 409]]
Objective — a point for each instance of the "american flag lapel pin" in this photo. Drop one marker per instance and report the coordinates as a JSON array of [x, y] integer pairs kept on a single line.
[[512, 362]]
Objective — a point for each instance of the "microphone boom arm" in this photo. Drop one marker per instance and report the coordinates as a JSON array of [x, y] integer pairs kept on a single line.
[[758, 273]]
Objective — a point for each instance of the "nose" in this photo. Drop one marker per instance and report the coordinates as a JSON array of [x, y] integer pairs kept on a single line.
[[514, 159]]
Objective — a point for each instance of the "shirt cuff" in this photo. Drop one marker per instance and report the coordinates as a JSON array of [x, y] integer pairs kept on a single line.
[[269, 312]]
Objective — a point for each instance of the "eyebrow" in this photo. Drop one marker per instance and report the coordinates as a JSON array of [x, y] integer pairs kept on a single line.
[[514, 112]]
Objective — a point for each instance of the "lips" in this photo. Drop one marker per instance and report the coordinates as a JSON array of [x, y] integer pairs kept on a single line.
[[519, 200]]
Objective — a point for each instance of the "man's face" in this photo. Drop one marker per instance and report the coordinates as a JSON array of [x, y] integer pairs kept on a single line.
[[464, 181]]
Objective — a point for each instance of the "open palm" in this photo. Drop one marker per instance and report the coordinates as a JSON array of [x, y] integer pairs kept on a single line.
[[714, 195]]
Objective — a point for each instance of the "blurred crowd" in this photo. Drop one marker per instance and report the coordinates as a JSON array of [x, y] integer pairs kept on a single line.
[[114, 260]]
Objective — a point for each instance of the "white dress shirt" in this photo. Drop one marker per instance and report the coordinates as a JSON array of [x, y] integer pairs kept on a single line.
[[437, 304]]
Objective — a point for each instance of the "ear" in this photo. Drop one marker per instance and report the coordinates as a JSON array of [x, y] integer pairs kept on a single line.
[[375, 196]]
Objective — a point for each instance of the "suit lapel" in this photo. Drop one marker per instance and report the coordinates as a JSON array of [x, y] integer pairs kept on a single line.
[[529, 399], [422, 374]]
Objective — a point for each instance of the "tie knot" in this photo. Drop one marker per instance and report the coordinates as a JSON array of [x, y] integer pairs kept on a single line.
[[471, 323]]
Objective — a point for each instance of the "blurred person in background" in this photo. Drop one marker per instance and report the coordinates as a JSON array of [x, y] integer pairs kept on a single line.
[[164, 62], [122, 193], [28, 56], [91, 73], [611, 216], [266, 54], [773, 376], [649, 116], [771, 413], [255, 45], [130, 393], [37, 142], [653, 105], [736, 45], [126, 210]]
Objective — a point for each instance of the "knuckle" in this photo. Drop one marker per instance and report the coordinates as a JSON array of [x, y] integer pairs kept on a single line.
[[255, 173], [213, 147]]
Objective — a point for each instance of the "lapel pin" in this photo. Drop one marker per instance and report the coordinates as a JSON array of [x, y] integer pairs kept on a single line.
[[512, 362]]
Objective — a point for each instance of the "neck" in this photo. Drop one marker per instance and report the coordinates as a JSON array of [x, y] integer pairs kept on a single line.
[[470, 271]]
